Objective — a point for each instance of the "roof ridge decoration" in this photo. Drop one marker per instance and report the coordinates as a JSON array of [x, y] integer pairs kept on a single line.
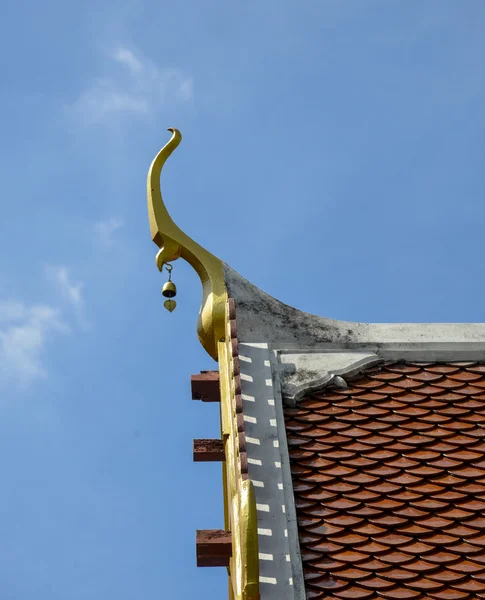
[[217, 332], [174, 244]]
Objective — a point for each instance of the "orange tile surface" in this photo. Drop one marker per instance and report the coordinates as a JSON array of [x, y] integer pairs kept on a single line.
[[389, 482]]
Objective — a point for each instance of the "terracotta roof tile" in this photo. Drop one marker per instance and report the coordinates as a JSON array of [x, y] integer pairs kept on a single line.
[[389, 481], [443, 369], [402, 368], [449, 594]]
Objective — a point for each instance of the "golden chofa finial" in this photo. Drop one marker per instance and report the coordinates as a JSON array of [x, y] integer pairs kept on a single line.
[[174, 244]]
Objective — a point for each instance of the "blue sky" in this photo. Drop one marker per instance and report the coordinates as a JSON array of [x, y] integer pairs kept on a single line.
[[332, 154]]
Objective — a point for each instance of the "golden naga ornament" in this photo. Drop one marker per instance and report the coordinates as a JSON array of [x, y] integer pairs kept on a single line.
[[174, 244]]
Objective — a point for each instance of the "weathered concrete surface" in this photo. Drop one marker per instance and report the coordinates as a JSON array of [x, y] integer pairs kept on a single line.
[[311, 371], [262, 318]]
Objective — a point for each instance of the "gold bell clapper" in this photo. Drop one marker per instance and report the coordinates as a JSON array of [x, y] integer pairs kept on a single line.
[[169, 290], [170, 305]]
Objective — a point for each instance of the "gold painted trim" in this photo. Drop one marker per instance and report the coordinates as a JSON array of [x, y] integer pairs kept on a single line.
[[174, 244], [239, 501]]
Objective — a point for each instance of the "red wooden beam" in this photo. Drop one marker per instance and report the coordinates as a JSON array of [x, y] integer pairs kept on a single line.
[[205, 386], [214, 547], [211, 450]]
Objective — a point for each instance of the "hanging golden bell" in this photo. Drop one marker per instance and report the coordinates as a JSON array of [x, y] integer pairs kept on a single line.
[[170, 305], [169, 290]]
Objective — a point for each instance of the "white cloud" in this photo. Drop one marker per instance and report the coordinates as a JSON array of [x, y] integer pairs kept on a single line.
[[133, 85], [71, 291], [105, 229], [26, 328], [24, 332], [11, 311], [127, 58], [103, 98]]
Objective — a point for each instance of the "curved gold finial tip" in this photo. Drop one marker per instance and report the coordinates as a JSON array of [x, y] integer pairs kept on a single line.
[[174, 244], [176, 135]]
